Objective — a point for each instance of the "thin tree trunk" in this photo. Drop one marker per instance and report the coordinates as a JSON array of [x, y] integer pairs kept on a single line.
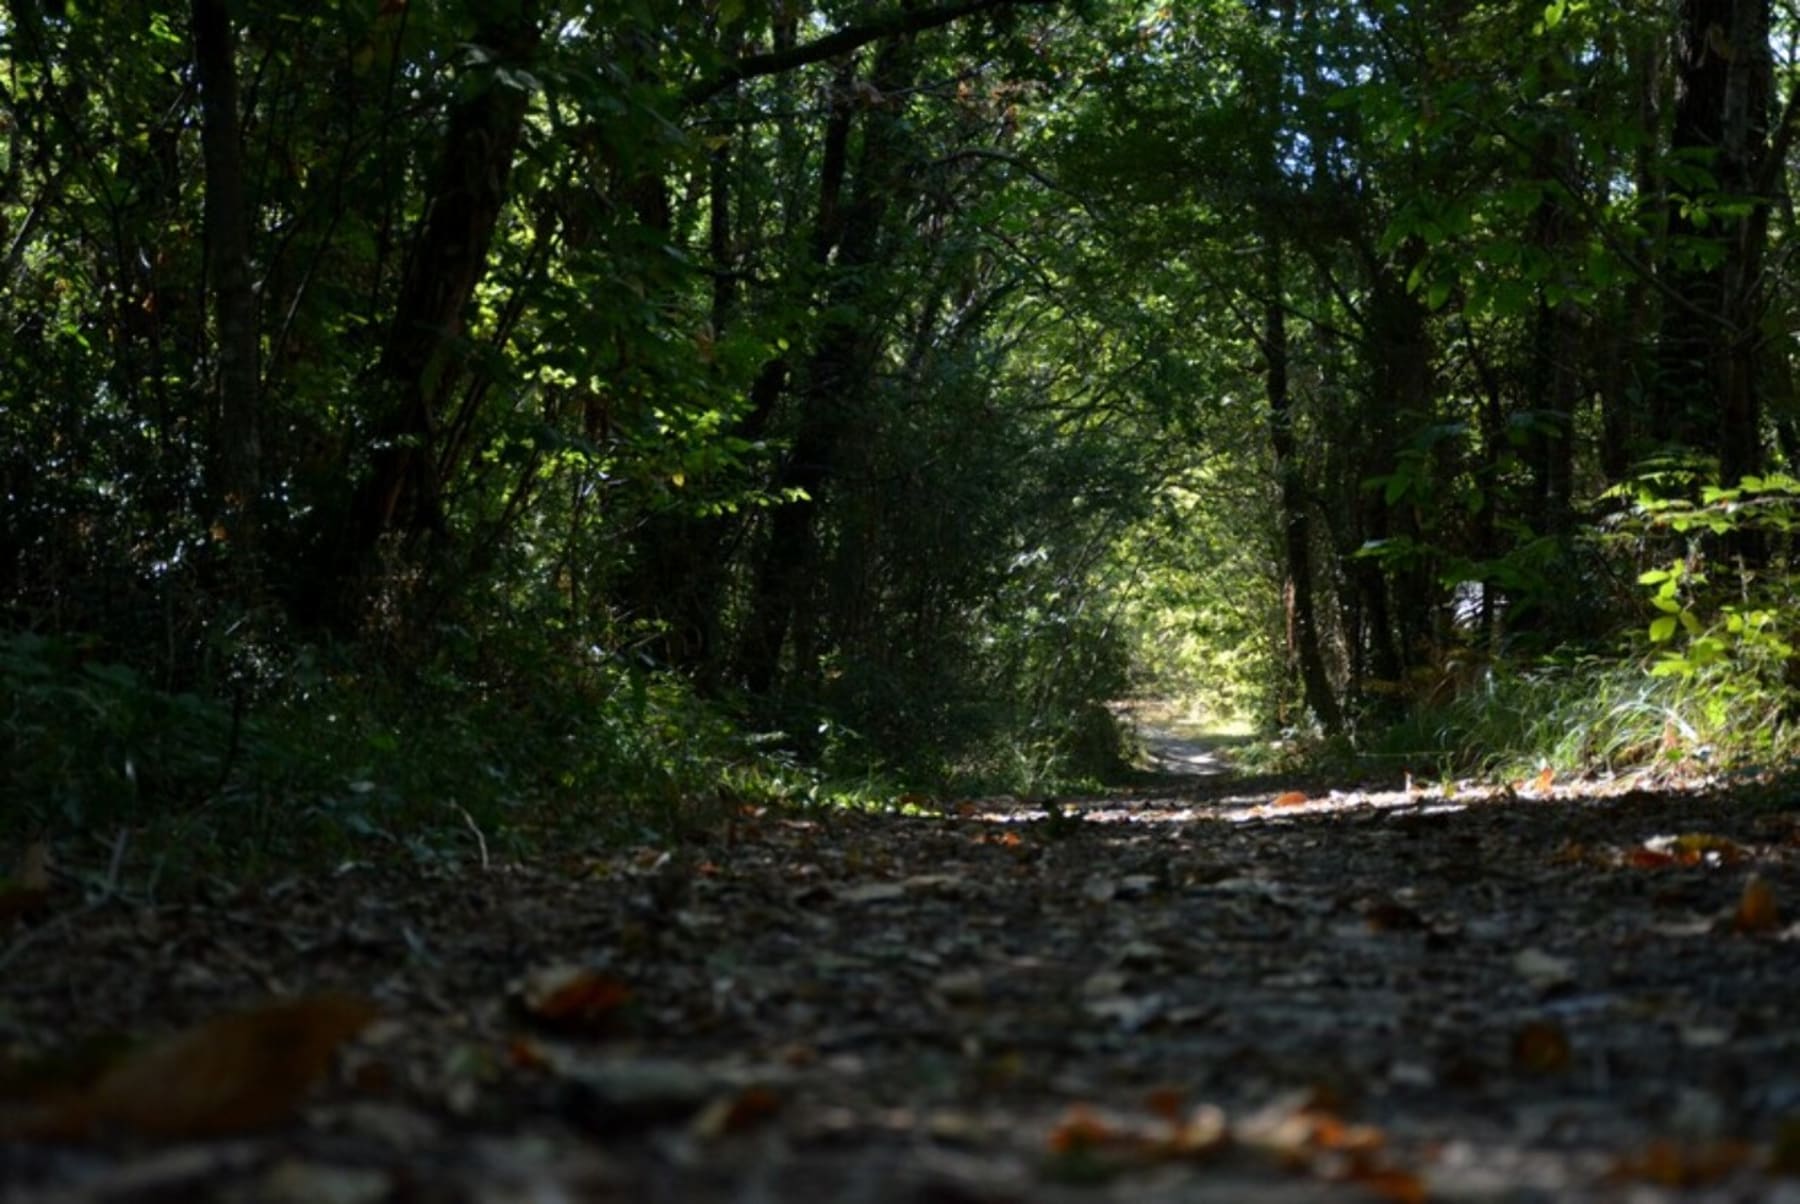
[[1296, 529], [1748, 93], [424, 352], [836, 377], [237, 463]]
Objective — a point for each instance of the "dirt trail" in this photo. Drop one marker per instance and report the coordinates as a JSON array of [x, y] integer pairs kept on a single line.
[[1204, 990]]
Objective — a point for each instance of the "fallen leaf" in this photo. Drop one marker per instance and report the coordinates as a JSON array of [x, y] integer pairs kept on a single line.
[[735, 1114], [1204, 1131], [1081, 1128], [27, 891], [1389, 915], [870, 892], [1544, 781], [1697, 847], [1388, 1183], [1290, 798], [1669, 1163], [1543, 970], [232, 1074], [1784, 1151], [527, 1054], [1541, 1047], [1757, 911], [1129, 1012], [1166, 1102], [961, 986], [635, 1094], [33, 870], [574, 997], [1643, 858], [291, 1181]]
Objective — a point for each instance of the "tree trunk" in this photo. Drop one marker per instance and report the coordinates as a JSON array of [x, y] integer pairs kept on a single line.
[[680, 574], [1748, 91], [1296, 529], [1705, 394], [237, 459], [424, 352], [836, 377]]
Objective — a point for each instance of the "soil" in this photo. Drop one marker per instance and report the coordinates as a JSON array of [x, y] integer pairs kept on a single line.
[[1209, 988]]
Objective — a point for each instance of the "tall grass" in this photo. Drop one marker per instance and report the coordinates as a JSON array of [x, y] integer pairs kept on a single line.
[[1594, 714]]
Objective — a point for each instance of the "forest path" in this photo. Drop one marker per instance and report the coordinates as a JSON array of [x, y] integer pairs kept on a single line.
[[1208, 989]]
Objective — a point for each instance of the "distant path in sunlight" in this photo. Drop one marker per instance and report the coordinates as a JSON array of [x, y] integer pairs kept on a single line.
[[1173, 743]]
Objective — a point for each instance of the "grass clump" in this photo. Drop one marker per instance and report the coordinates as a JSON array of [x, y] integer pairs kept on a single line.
[[1593, 714]]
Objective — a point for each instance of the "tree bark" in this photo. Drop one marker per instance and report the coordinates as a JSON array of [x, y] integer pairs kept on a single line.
[[1705, 394], [424, 351], [1296, 529], [836, 376], [1554, 371], [237, 458]]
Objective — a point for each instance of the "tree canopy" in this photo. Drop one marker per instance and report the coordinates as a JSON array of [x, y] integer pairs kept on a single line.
[[598, 399]]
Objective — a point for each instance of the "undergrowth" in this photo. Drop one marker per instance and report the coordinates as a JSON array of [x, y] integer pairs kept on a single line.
[[324, 755], [1597, 715], [336, 760]]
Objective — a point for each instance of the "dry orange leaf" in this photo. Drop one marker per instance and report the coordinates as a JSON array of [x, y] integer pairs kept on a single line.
[[1388, 1183], [1201, 1133], [750, 1108], [1669, 1163], [1081, 1128], [231, 1074], [1290, 798], [574, 997], [1696, 847], [1542, 783], [526, 1054], [1332, 1133], [1757, 910], [1166, 1102]]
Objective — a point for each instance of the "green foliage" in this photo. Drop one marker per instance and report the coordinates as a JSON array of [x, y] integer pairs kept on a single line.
[[615, 399], [1591, 714], [90, 745], [464, 758], [1725, 625]]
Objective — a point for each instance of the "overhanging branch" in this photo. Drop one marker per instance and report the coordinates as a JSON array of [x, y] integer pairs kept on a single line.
[[892, 24]]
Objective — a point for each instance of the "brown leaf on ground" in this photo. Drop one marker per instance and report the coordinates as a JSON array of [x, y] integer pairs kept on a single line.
[[1668, 1163], [27, 891], [1081, 1128], [574, 998], [1290, 798], [1696, 848], [1541, 1047], [1389, 1183], [1757, 911], [232, 1074], [1784, 1151], [731, 1115]]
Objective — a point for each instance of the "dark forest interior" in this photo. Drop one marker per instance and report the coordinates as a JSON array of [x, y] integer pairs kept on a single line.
[[736, 466]]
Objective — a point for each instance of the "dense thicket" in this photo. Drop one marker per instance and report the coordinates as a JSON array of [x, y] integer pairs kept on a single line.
[[594, 399]]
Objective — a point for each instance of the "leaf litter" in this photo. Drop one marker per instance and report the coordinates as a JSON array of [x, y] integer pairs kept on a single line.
[[1189, 993]]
